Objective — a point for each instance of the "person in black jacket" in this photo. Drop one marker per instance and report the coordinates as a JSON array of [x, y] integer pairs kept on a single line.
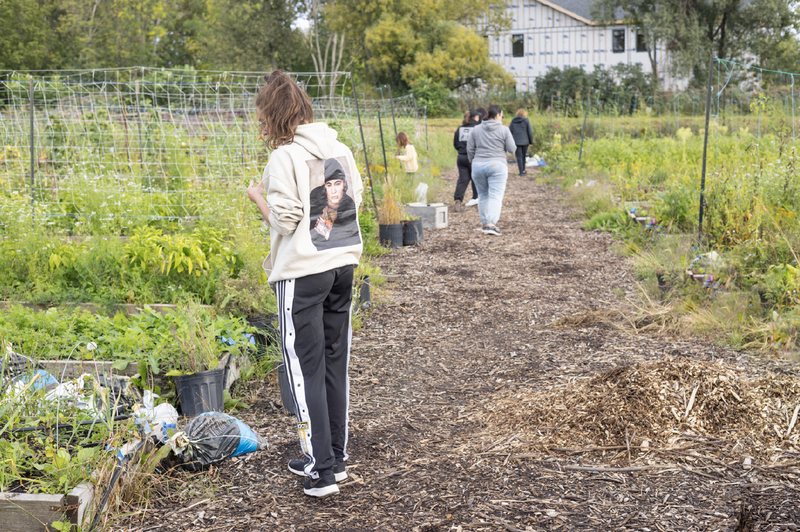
[[523, 137], [471, 119]]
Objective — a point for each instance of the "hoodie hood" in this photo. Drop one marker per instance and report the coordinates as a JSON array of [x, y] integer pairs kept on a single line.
[[492, 125], [318, 138], [518, 120]]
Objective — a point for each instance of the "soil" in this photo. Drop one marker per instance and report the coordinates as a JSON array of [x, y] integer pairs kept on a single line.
[[496, 385]]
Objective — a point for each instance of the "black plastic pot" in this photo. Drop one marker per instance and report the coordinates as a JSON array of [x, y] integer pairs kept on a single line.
[[364, 296], [267, 335], [201, 392], [391, 235], [663, 283], [412, 232], [286, 394]]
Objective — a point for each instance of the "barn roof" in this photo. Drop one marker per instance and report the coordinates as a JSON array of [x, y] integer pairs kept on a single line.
[[582, 9]]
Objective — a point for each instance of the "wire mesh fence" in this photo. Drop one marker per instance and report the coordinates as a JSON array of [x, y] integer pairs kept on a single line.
[[152, 143]]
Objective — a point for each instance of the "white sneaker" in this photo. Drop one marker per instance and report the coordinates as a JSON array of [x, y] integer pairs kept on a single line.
[[471, 203]]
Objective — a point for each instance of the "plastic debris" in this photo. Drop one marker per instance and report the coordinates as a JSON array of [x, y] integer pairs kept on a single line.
[[38, 379], [212, 437], [421, 193], [13, 365], [124, 394], [156, 421], [83, 393]]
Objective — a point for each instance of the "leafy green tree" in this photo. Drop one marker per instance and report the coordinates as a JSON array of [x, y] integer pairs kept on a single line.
[[768, 29], [458, 57], [29, 36], [254, 35], [115, 33], [401, 40], [180, 45], [432, 94]]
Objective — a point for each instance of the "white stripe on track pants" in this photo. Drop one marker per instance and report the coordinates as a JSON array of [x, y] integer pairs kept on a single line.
[[314, 318]]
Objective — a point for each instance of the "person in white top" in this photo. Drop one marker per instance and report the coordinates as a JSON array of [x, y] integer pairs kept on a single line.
[[408, 154], [313, 191]]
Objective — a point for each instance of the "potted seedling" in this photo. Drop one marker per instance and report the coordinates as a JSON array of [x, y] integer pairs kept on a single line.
[[196, 370], [390, 226]]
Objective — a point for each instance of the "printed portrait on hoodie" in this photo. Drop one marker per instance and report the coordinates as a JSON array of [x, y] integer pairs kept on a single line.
[[334, 220]]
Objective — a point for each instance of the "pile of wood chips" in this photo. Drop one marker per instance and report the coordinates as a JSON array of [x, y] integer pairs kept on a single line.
[[657, 404]]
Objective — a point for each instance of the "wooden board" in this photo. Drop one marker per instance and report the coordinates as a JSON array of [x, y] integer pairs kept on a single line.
[[71, 369], [97, 309], [25, 512]]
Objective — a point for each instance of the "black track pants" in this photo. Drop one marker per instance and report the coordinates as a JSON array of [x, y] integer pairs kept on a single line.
[[520, 154], [314, 317], [464, 178]]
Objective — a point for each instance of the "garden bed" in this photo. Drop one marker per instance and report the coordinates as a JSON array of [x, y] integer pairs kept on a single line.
[[127, 308], [25, 512]]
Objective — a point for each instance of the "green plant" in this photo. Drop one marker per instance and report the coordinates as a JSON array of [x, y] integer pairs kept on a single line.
[[247, 294], [199, 347], [610, 222]]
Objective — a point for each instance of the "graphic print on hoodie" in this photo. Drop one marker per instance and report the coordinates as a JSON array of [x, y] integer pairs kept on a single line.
[[333, 216]]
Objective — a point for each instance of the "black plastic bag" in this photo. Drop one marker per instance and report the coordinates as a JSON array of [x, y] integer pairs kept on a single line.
[[212, 437]]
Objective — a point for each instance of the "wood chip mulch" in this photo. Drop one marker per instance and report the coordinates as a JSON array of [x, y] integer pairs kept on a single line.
[[485, 396]]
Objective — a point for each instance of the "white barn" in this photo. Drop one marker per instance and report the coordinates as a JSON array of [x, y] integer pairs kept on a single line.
[[549, 34]]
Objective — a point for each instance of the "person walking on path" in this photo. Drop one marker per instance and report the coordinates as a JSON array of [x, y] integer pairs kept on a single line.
[[408, 154], [486, 149], [310, 267], [471, 119], [522, 132]]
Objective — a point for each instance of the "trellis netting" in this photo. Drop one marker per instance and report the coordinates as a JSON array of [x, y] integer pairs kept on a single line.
[[145, 143], [617, 112]]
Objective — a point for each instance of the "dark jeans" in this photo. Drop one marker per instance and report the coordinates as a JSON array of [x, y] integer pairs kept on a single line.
[[314, 319], [521, 151], [464, 178]]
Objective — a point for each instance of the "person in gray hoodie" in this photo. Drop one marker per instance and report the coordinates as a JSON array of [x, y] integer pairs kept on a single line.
[[486, 149], [523, 137], [313, 191]]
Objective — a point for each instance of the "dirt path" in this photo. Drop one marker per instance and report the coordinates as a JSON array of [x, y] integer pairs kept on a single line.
[[454, 375]]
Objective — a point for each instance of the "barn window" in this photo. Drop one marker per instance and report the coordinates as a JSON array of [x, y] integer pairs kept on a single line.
[[641, 45], [518, 45], [618, 41]]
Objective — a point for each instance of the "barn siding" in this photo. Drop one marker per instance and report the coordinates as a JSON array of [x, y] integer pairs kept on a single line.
[[556, 40]]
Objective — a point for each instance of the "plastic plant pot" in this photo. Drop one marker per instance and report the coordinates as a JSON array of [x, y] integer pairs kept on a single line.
[[201, 392]]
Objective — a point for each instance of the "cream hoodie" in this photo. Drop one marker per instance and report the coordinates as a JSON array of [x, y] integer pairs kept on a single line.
[[301, 246]]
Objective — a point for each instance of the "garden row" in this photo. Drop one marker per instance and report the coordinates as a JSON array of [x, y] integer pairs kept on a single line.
[[90, 344], [750, 234]]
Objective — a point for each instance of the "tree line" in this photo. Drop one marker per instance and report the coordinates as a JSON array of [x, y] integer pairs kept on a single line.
[[393, 42], [430, 46]]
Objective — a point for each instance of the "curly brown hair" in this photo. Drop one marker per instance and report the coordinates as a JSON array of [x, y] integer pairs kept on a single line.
[[281, 106]]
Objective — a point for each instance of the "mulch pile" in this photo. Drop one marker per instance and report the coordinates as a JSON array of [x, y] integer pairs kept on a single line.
[[658, 404], [486, 395]]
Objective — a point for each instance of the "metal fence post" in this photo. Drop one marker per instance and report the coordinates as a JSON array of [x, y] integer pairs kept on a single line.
[[363, 143], [138, 118], [705, 144], [33, 158], [383, 147], [391, 103], [583, 129], [426, 126]]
